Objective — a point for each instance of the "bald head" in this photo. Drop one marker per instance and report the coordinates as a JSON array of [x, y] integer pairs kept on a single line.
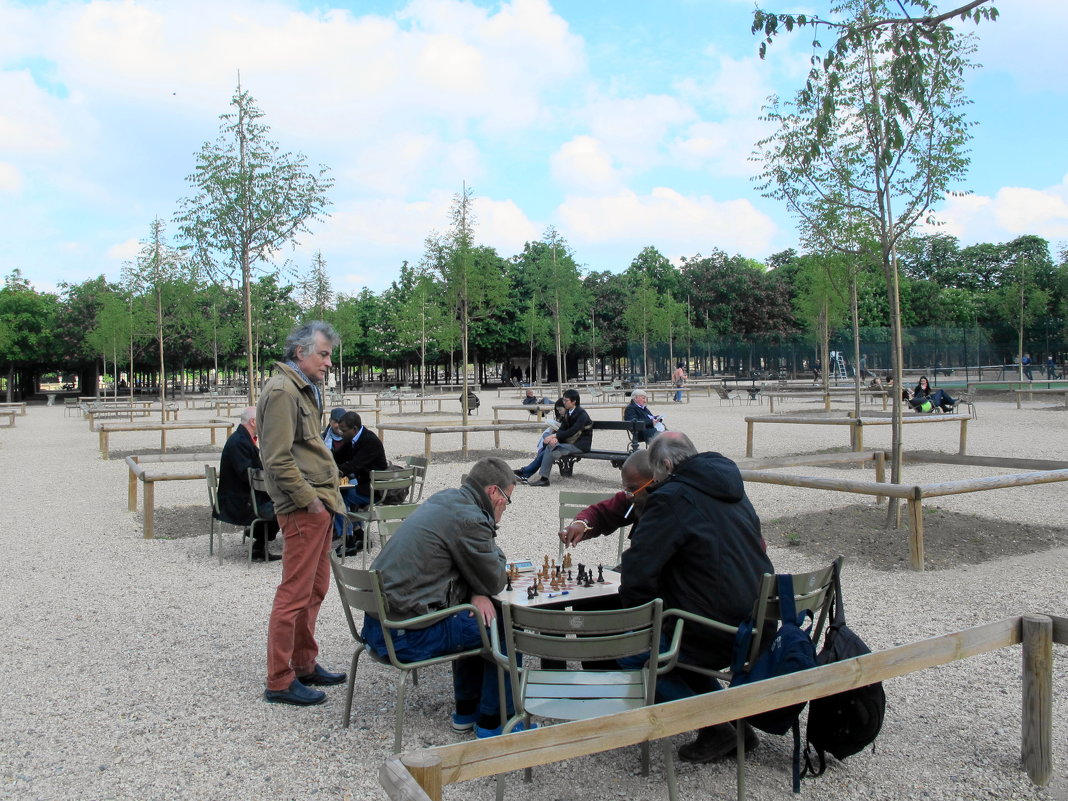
[[669, 450]]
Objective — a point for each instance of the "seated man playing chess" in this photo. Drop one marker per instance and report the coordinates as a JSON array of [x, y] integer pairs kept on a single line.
[[443, 555]]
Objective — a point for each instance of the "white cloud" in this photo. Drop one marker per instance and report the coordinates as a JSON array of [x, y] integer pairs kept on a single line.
[[10, 179], [1011, 212], [29, 122], [401, 165], [582, 164], [633, 130], [124, 251], [675, 223]]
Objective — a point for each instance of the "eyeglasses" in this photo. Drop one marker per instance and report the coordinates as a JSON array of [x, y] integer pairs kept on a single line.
[[507, 500], [632, 493]]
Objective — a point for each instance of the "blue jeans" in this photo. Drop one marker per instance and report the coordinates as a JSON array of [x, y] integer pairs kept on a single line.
[[550, 455], [675, 684], [678, 396], [353, 500], [473, 678], [532, 468]]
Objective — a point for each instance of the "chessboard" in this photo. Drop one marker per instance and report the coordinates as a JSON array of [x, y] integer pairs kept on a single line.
[[566, 590]]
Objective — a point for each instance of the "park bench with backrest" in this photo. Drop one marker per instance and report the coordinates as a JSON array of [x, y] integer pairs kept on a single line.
[[633, 429]]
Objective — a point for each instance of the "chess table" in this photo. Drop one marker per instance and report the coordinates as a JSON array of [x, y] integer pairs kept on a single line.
[[568, 595]]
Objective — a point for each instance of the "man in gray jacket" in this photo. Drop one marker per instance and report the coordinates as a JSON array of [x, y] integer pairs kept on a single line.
[[443, 555]]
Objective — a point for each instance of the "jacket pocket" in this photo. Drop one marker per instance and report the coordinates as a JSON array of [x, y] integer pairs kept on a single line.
[[309, 427]]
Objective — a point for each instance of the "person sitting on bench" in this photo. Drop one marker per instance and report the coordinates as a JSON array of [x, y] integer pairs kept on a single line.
[[638, 411], [924, 399], [574, 436]]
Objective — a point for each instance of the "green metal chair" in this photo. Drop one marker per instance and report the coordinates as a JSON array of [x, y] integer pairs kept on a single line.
[[573, 502], [389, 519], [813, 592], [381, 481], [581, 694], [420, 465], [211, 474], [256, 483], [361, 591]]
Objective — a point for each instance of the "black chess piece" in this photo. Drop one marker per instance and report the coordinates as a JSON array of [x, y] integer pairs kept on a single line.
[[600, 574], [582, 572], [569, 575], [589, 579], [508, 586], [531, 592]]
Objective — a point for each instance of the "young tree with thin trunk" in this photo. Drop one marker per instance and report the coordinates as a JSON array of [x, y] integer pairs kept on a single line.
[[250, 199], [876, 137]]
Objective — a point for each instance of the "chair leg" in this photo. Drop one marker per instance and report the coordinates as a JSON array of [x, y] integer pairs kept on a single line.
[[399, 726], [211, 538], [739, 726], [352, 686], [669, 768], [645, 758]]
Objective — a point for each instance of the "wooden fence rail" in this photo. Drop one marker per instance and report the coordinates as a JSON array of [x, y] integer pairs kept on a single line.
[[420, 775]]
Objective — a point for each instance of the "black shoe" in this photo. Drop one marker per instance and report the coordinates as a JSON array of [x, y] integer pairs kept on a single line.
[[353, 544], [297, 695], [263, 555], [540, 481], [717, 742], [321, 677], [520, 475]]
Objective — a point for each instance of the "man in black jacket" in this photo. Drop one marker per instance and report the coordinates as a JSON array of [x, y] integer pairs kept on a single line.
[[575, 435], [235, 501], [360, 452], [698, 546]]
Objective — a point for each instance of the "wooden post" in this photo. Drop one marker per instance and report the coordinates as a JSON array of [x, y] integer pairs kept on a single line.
[[464, 436], [426, 446], [858, 442], [1036, 748], [163, 439], [749, 438], [916, 531], [131, 495], [963, 437], [425, 767], [103, 436], [880, 473], [149, 510]]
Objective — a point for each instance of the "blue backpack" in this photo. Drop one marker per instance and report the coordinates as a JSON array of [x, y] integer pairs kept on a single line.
[[790, 651]]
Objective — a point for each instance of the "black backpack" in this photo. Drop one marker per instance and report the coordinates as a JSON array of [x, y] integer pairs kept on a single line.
[[790, 651], [844, 723]]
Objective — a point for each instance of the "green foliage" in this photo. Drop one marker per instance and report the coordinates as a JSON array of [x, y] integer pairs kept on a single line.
[[27, 322]]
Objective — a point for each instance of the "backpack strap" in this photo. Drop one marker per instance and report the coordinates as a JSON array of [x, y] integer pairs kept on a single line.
[[838, 619], [787, 608], [797, 755]]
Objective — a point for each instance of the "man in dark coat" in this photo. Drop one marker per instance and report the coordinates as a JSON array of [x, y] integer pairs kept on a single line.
[[360, 452], [698, 546], [235, 501], [575, 435], [638, 412]]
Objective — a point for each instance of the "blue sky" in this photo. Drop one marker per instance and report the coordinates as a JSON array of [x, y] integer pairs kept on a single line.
[[622, 123]]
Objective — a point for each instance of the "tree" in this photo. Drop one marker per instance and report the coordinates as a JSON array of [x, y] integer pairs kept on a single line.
[[821, 304], [26, 328], [558, 284], [315, 295], [249, 200], [114, 328], [876, 136], [1022, 298], [644, 316], [416, 313], [156, 271]]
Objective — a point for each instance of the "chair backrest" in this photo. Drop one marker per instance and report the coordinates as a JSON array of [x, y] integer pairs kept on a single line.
[[360, 590], [391, 479], [390, 517], [420, 465], [256, 483], [610, 634], [813, 592], [211, 474]]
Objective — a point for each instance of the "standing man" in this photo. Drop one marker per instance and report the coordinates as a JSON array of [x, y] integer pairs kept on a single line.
[[302, 480], [575, 435], [638, 412], [678, 378], [698, 546], [235, 496]]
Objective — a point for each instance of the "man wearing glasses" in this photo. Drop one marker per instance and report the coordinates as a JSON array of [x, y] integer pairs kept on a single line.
[[443, 555], [622, 509]]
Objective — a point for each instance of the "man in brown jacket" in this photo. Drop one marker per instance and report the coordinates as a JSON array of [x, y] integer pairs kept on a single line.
[[302, 480]]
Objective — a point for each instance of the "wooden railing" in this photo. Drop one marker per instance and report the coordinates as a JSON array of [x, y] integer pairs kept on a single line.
[[420, 775]]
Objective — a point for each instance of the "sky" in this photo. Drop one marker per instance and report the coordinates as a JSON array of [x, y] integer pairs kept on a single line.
[[623, 123]]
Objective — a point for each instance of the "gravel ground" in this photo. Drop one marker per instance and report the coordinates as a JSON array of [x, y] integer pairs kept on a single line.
[[146, 658]]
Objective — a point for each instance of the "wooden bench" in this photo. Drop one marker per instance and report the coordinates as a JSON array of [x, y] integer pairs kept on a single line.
[[106, 428], [782, 396], [128, 411], [145, 469], [542, 409], [856, 425], [422, 400], [10, 415], [429, 430], [632, 427], [1019, 393], [19, 407]]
